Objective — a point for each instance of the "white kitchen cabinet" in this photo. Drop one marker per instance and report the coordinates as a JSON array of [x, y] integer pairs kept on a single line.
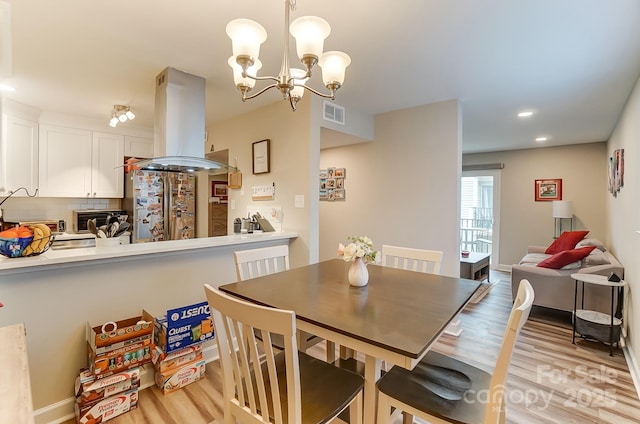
[[107, 165], [19, 155], [80, 163], [139, 147]]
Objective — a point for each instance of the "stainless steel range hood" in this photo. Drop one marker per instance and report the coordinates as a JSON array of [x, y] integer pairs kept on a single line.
[[179, 125]]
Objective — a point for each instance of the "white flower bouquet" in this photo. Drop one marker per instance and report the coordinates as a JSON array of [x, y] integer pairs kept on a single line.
[[360, 247]]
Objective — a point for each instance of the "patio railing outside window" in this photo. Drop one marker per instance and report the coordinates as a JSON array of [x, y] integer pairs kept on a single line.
[[476, 233]]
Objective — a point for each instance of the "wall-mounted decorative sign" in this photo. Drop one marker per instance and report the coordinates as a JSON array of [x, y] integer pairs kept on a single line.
[[547, 190], [261, 151], [616, 172], [263, 192], [332, 184]]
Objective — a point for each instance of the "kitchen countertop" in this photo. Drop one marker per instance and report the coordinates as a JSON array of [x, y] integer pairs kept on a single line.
[[80, 256]]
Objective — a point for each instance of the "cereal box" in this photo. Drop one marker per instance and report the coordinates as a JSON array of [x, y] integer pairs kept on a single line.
[[115, 334], [90, 392], [107, 409], [177, 378], [164, 362], [118, 360], [183, 327]]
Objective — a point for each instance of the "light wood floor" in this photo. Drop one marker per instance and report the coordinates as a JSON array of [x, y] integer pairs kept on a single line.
[[550, 380]]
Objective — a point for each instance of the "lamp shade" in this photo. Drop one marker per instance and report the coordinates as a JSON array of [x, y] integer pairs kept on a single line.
[[246, 36], [238, 79], [333, 66], [562, 209], [299, 77], [309, 32]]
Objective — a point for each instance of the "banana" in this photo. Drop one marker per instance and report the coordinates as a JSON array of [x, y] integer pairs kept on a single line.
[[38, 236], [27, 250], [46, 236]]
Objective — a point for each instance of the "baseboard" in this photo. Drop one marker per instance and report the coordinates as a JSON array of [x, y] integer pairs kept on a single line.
[[504, 268], [632, 363], [62, 411]]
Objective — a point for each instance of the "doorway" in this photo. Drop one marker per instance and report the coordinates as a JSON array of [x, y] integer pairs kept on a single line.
[[480, 213]]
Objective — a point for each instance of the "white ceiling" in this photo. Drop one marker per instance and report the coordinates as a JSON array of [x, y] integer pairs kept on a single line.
[[574, 62]]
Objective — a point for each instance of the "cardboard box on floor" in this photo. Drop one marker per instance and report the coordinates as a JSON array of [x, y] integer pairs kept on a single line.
[[176, 378], [90, 392], [182, 327], [107, 409]]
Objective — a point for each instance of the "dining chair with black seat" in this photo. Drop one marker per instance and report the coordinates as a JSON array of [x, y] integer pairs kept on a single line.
[[252, 263], [441, 389], [273, 386]]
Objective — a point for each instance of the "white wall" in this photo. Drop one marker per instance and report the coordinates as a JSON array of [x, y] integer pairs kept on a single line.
[[623, 221], [402, 188], [294, 152]]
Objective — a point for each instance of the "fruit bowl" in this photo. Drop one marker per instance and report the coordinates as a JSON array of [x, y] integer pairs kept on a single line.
[[13, 247]]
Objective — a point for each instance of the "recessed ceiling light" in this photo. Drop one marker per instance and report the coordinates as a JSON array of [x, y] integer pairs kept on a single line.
[[541, 139], [525, 114]]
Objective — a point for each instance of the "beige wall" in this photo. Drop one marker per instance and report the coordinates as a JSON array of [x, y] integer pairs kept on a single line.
[[525, 222], [294, 157], [402, 188], [624, 217]]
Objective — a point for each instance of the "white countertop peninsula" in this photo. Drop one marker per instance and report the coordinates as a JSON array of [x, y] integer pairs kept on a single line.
[[56, 293], [80, 256]]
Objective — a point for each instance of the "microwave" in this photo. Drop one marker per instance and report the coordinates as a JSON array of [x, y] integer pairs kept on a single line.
[[81, 217]]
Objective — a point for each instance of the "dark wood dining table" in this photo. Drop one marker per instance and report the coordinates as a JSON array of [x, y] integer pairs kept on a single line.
[[395, 318]]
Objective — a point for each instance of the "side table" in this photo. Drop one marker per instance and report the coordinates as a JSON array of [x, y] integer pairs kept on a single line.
[[603, 327], [475, 267]]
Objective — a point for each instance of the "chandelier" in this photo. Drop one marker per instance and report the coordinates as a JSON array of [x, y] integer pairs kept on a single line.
[[120, 114], [309, 31]]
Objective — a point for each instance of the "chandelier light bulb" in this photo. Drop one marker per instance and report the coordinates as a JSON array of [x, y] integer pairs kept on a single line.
[[130, 114], [238, 79], [299, 77], [122, 117], [114, 121], [310, 33], [246, 36], [334, 65]]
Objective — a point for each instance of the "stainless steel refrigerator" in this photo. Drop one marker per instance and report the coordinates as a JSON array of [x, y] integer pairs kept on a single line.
[[161, 204]]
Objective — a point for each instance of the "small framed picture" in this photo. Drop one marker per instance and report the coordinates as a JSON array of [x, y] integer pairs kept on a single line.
[[219, 189], [331, 182], [323, 194], [261, 152], [338, 194], [323, 173], [339, 173], [548, 190]]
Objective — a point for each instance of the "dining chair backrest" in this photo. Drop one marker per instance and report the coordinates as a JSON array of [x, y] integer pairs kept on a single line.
[[254, 263], [519, 315], [250, 389], [411, 259]]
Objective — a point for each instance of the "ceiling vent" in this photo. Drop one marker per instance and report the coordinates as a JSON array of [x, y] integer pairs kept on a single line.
[[333, 113]]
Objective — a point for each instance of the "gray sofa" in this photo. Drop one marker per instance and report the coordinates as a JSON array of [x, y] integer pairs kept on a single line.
[[555, 288]]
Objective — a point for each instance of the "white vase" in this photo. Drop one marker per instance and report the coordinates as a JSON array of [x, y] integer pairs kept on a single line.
[[358, 274]]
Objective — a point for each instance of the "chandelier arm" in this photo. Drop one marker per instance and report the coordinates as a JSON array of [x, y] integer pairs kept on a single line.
[[265, 78], [259, 92], [331, 96]]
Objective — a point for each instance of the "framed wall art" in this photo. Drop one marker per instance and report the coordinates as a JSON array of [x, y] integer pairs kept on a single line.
[[261, 160], [616, 172], [332, 184], [548, 190]]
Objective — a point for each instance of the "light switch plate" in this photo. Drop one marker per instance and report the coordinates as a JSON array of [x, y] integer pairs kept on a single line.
[[299, 201]]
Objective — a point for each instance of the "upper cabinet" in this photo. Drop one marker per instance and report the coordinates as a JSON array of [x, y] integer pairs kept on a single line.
[[19, 155], [80, 163], [139, 147]]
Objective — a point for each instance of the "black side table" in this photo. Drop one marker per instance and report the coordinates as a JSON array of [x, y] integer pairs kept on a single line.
[[603, 327]]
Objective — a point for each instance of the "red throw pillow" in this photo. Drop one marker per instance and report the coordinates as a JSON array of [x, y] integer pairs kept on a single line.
[[566, 257], [566, 241]]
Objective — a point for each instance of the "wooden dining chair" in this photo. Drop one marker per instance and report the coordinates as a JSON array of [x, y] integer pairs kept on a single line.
[[419, 260], [275, 387], [253, 263], [441, 389]]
